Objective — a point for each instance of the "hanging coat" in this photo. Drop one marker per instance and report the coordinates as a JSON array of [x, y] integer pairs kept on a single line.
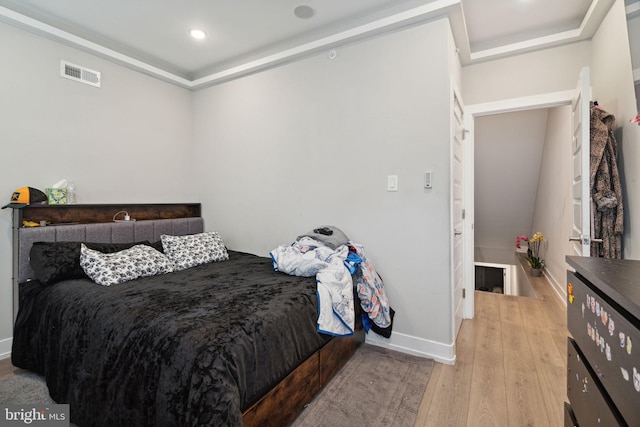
[[607, 214]]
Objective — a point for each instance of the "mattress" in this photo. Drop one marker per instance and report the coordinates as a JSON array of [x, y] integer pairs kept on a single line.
[[193, 347]]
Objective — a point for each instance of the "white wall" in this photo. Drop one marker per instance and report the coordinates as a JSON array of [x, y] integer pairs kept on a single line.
[[539, 72], [633, 25], [612, 83], [508, 153], [128, 141], [311, 143], [553, 206]]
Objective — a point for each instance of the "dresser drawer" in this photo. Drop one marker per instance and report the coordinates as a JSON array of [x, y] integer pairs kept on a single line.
[[589, 401], [569, 418], [610, 343]]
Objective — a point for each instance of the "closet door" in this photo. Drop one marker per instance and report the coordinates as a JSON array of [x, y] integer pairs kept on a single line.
[[581, 237], [457, 206]]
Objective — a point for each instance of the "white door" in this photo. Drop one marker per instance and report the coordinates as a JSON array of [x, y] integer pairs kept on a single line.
[[457, 208], [581, 151]]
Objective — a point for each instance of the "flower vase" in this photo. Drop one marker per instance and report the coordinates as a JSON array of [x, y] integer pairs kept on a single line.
[[535, 272]]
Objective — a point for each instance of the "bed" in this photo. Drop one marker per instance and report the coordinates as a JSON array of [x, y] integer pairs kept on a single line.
[[222, 343]]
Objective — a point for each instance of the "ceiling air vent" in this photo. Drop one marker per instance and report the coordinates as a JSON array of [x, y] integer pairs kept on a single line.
[[79, 74]]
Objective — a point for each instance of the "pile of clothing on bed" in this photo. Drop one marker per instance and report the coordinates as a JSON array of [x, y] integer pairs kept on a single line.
[[337, 263]]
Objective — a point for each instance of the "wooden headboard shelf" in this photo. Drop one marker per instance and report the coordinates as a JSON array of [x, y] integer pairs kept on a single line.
[[97, 213]]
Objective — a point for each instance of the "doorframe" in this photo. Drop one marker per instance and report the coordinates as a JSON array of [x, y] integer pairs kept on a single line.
[[546, 100]]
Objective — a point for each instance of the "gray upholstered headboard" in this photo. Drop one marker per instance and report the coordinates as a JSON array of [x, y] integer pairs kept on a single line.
[[109, 232]]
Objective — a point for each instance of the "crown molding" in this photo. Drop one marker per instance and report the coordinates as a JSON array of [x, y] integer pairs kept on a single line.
[[452, 9], [429, 12], [588, 27]]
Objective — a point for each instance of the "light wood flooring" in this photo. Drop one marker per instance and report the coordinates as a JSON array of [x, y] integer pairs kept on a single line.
[[511, 365]]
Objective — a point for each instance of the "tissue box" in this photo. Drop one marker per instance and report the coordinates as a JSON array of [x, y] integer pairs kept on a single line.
[[57, 196]]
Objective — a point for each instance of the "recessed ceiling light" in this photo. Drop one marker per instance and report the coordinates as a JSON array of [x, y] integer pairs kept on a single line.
[[197, 34], [304, 12]]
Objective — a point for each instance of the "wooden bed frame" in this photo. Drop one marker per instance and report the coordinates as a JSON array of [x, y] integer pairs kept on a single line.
[[279, 406]]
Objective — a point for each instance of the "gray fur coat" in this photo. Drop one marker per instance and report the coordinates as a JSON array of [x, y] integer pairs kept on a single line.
[[607, 217]]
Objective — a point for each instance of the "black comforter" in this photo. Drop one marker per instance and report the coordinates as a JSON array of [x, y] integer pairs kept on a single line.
[[190, 348]]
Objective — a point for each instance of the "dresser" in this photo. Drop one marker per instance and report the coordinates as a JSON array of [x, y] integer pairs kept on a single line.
[[603, 349]]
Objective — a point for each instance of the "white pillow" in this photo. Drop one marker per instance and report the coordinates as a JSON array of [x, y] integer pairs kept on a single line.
[[194, 249], [120, 267]]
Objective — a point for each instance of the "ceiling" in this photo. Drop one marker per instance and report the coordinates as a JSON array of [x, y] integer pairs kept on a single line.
[[245, 36]]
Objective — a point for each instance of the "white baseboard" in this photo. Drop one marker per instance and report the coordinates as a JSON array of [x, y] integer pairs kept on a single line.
[[558, 289], [5, 348], [443, 353]]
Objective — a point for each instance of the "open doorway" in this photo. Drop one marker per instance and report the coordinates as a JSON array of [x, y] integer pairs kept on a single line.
[[508, 150], [549, 206]]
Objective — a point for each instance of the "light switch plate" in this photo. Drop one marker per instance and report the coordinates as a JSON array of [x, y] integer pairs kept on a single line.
[[427, 179], [392, 183]]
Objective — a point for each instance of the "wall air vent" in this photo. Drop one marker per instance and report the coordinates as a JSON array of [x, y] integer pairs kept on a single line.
[[79, 74]]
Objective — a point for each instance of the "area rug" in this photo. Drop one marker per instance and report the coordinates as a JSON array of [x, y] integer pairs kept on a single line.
[[24, 387], [377, 387]]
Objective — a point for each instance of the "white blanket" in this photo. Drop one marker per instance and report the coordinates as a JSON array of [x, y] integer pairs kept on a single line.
[[308, 257]]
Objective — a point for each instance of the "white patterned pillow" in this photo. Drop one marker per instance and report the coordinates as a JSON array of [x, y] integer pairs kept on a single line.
[[194, 249], [120, 267]]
